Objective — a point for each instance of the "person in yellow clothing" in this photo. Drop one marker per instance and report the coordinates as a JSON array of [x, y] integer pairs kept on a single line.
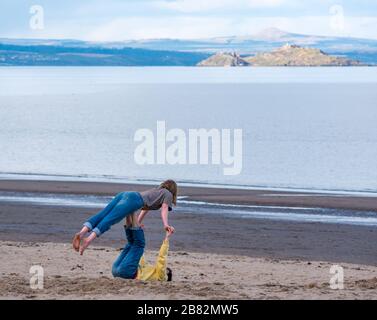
[[131, 263], [158, 271]]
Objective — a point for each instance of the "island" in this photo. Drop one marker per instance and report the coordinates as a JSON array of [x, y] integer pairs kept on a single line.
[[287, 55]]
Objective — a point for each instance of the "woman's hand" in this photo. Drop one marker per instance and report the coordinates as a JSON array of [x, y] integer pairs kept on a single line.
[[169, 229], [168, 234]]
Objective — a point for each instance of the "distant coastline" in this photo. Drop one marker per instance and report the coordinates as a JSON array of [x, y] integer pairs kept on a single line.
[[175, 52]]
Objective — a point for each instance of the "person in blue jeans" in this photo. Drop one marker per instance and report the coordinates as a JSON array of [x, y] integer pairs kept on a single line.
[[126, 265], [125, 205], [130, 264]]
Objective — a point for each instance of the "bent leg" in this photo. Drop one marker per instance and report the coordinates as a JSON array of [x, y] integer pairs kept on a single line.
[[123, 254], [127, 268], [119, 260], [93, 221], [128, 204]]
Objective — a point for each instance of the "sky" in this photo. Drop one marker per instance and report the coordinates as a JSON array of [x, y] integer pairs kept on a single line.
[[117, 20]]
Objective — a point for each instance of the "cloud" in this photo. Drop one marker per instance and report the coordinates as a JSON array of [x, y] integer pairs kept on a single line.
[[207, 5], [113, 20], [162, 27], [195, 27]]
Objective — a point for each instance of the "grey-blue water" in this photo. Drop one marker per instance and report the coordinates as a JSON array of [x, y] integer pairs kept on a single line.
[[305, 128]]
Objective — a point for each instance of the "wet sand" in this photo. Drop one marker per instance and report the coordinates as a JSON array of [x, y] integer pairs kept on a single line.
[[202, 233], [259, 258], [218, 195]]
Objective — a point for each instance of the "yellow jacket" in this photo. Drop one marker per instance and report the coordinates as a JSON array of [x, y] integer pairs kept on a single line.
[[154, 272]]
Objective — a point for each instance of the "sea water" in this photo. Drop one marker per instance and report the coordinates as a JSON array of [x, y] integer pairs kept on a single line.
[[303, 128]]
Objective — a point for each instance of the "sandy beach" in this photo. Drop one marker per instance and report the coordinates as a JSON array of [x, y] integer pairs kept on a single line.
[[196, 276], [212, 257]]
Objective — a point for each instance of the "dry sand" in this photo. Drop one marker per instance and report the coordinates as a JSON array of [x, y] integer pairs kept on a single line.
[[196, 276]]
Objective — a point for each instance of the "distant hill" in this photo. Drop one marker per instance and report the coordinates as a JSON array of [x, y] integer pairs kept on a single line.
[[223, 60], [269, 39], [58, 55], [293, 55]]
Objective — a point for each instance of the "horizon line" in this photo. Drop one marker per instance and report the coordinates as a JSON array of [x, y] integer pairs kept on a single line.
[[196, 39]]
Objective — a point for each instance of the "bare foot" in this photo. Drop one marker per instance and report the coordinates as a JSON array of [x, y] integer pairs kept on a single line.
[[76, 242], [86, 242], [84, 245]]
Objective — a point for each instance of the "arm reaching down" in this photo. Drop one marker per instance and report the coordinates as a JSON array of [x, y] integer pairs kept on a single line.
[[164, 216], [161, 262]]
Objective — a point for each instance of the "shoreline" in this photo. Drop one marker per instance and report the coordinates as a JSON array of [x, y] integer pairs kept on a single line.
[[259, 197], [186, 184]]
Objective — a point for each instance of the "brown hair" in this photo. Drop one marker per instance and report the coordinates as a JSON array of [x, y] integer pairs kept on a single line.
[[172, 187], [169, 274]]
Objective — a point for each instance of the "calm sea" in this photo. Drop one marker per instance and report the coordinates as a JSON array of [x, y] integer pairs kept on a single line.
[[303, 128]]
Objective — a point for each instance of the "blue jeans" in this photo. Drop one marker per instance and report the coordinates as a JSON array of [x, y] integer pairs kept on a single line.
[[127, 263], [123, 204]]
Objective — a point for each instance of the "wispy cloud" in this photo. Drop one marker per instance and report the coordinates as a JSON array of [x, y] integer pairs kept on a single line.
[[206, 5], [162, 27], [109, 20], [192, 27]]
